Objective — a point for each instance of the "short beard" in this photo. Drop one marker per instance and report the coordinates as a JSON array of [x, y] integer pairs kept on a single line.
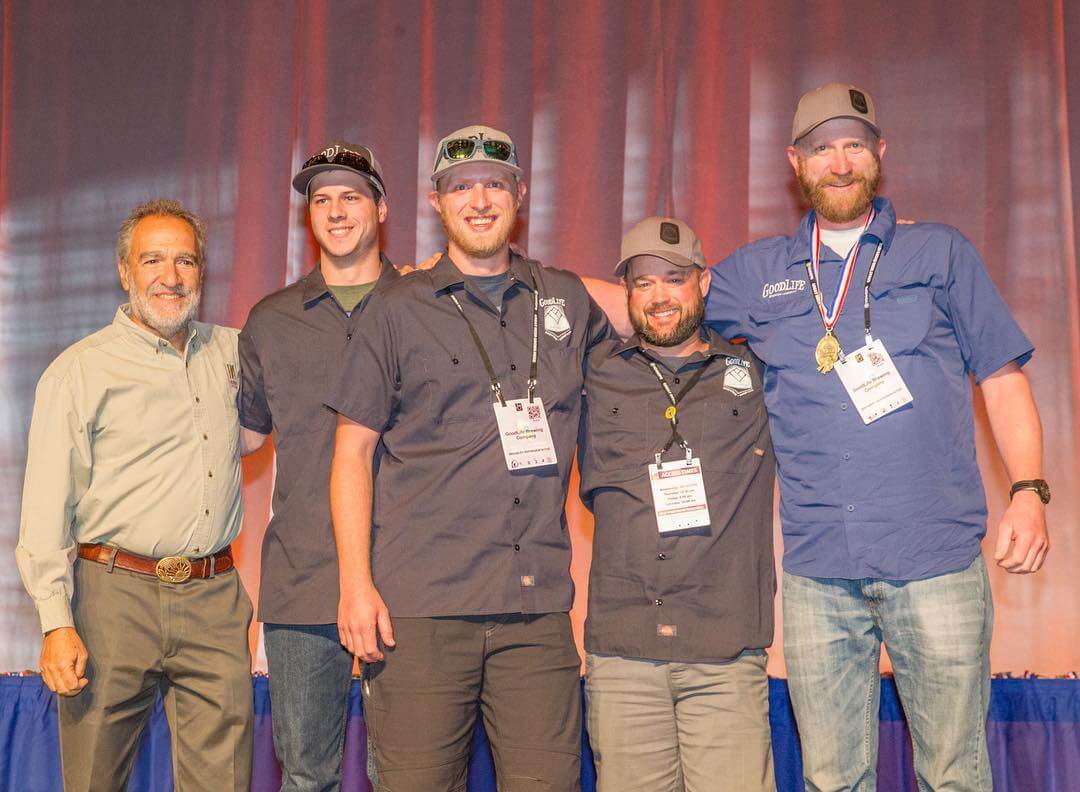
[[841, 211], [479, 250], [689, 324], [167, 326]]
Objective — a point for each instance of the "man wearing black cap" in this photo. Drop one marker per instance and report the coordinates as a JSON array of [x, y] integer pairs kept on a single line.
[[678, 470], [291, 346], [463, 390]]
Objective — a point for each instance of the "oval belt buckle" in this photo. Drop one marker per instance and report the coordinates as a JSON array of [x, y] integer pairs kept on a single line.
[[173, 569]]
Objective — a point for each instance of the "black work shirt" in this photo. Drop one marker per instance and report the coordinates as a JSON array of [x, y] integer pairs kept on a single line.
[[701, 595], [454, 532], [290, 352]]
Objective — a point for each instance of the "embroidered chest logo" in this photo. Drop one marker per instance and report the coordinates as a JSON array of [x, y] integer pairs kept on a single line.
[[556, 324], [780, 288], [737, 380]]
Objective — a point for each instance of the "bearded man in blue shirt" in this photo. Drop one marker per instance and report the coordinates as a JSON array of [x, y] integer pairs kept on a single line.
[[870, 332]]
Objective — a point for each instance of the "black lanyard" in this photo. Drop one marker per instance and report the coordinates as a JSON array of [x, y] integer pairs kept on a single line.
[[671, 413], [495, 386], [816, 289]]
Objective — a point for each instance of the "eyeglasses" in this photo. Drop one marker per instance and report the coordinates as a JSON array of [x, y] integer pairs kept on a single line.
[[467, 148], [342, 156]]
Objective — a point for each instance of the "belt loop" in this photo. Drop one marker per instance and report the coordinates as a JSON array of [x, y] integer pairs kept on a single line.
[[213, 567], [112, 559]]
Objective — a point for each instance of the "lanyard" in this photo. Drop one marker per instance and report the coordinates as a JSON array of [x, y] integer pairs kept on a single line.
[[838, 304], [495, 386], [671, 413]]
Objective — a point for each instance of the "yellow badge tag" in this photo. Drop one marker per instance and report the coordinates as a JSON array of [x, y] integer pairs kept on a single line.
[[669, 413]]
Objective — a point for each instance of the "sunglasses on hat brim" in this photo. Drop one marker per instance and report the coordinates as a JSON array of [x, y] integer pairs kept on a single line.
[[461, 149], [348, 159]]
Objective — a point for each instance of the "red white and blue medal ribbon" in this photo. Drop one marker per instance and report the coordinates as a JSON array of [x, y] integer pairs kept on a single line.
[[830, 315]]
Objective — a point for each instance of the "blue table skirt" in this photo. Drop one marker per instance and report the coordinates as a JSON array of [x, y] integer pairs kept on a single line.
[[1034, 735]]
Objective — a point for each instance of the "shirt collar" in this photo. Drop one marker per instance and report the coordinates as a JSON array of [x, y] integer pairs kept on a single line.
[[315, 287], [717, 346], [881, 230], [445, 274], [142, 337]]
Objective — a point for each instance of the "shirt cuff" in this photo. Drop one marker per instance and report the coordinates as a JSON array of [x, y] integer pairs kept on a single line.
[[55, 612]]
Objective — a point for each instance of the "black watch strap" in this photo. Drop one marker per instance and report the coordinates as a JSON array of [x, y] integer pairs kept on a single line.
[[1038, 486]]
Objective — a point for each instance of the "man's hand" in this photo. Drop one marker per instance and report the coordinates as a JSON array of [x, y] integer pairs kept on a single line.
[[1022, 538], [63, 662], [426, 264], [363, 618]]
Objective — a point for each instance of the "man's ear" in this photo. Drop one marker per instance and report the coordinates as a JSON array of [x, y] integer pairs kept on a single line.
[[433, 199], [881, 148], [521, 190], [382, 210], [793, 158], [704, 279], [121, 268]]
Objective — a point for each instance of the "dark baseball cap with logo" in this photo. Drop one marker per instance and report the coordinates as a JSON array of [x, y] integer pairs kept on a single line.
[[664, 237], [341, 156], [829, 101]]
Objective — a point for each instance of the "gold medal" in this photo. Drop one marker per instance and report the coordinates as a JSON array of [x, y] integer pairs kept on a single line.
[[827, 352], [669, 413]]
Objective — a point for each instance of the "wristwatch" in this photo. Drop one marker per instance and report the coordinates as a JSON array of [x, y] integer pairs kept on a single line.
[[1039, 486]]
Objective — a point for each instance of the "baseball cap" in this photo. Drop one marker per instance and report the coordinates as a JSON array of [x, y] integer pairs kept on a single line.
[[341, 156], [475, 143], [663, 237], [829, 101]]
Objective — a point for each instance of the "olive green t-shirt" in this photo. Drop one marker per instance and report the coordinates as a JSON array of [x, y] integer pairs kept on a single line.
[[349, 297]]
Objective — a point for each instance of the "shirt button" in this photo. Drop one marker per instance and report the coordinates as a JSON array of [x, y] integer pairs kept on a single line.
[[207, 512], [513, 367], [204, 437], [455, 361], [847, 456], [503, 323], [517, 501], [614, 410], [195, 550], [734, 410], [677, 380], [210, 474], [661, 556], [517, 547], [348, 336], [851, 507], [843, 405], [658, 602]]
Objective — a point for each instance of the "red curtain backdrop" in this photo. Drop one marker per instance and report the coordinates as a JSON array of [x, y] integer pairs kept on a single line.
[[620, 109]]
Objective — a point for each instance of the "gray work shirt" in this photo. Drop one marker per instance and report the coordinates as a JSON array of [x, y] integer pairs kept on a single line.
[[290, 352], [455, 532], [702, 595]]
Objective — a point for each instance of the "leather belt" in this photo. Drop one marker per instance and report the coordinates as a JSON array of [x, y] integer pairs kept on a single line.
[[170, 569]]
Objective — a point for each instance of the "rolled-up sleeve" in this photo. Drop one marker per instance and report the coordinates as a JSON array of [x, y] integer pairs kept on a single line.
[[369, 383], [988, 335], [57, 475]]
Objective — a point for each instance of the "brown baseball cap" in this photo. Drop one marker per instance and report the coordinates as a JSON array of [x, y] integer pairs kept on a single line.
[[663, 237], [829, 101]]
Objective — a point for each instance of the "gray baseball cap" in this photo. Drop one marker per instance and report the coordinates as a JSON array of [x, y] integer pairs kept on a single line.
[[476, 143], [829, 101], [341, 156], [663, 237]]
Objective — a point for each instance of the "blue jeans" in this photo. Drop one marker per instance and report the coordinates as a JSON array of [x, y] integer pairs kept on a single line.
[[938, 635], [310, 675]]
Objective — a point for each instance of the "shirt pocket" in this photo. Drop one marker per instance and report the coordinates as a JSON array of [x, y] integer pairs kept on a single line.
[[559, 378], [620, 432], [458, 396], [900, 314], [785, 331]]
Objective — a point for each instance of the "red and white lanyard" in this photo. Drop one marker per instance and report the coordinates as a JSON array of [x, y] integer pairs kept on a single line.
[[830, 315]]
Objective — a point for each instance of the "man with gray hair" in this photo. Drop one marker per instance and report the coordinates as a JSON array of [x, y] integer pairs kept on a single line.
[[130, 503]]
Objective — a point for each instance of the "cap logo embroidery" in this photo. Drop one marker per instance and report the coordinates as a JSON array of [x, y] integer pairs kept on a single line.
[[669, 232], [858, 101], [556, 323]]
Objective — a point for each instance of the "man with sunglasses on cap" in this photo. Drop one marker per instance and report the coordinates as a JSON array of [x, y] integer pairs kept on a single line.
[[131, 501], [293, 343], [678, 470], [464, 393]]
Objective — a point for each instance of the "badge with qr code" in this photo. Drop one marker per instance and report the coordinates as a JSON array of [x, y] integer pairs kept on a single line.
[[523, 430]]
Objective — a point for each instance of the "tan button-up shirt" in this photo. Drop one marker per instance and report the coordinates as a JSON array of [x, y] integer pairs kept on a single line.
[[133, 445]]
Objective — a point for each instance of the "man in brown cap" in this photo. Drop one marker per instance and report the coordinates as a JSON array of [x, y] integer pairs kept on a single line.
[[677, 468]]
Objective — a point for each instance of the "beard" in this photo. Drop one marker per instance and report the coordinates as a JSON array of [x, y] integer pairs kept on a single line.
[[170, 322], [477, 246], [689, 323], [841, 209]]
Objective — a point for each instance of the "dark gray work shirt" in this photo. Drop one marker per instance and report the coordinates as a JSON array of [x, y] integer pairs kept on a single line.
[[702, 595], [455, 532], [290, 352]]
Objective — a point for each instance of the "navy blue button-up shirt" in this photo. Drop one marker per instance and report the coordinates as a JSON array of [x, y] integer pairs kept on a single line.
[[900, 498]]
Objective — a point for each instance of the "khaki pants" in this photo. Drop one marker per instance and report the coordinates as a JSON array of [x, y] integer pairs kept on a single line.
[[666, 727], [522, 671], [187, 640]]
